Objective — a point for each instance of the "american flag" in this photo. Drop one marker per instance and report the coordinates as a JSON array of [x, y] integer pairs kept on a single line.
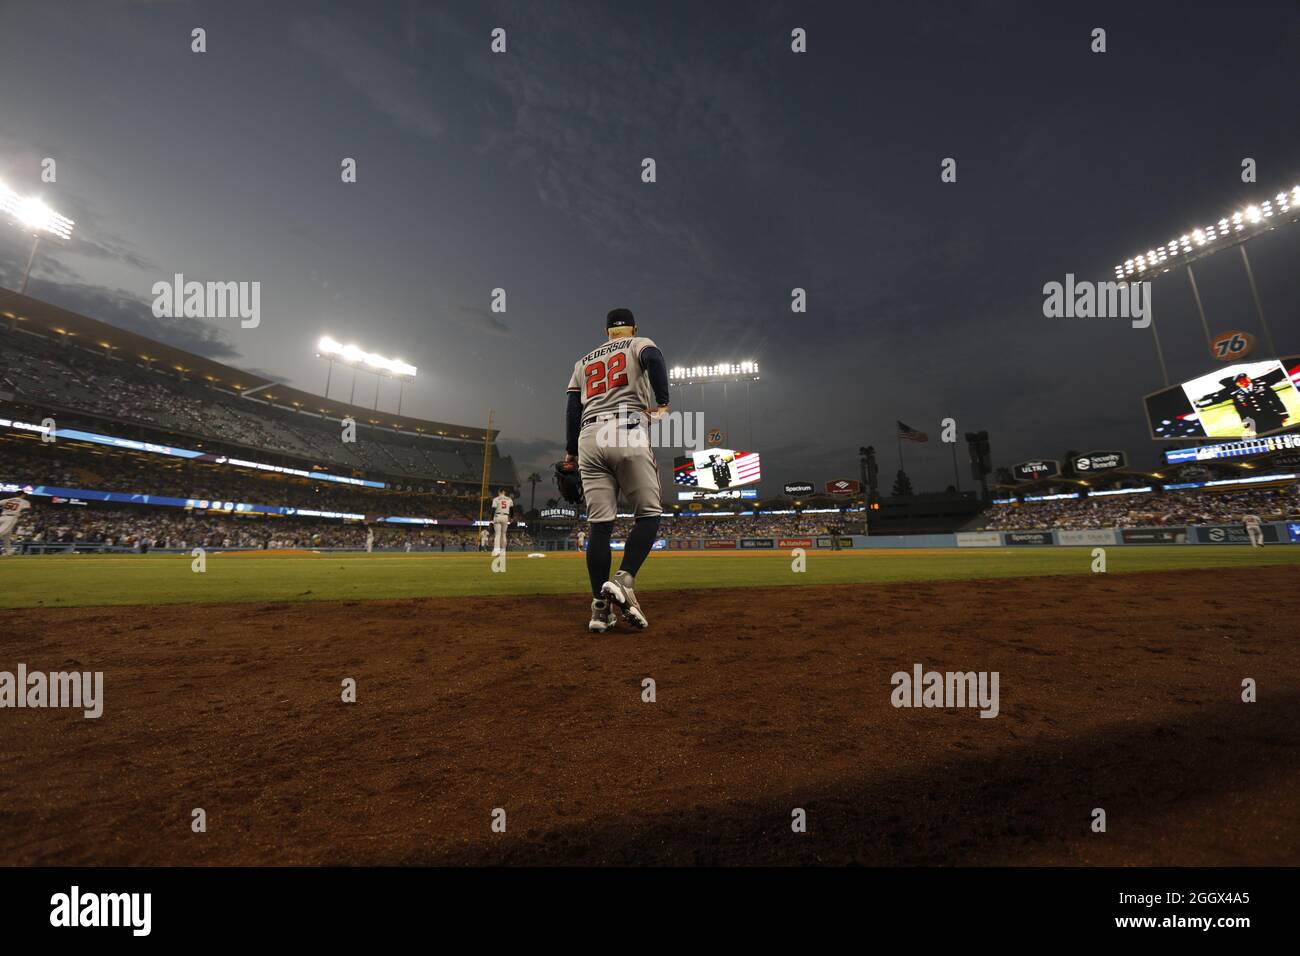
[[684, 472], [910, 433], [746, 466]]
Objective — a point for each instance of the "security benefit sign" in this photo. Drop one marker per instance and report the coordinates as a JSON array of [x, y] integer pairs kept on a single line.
[[1233, 534], [1096, 461]]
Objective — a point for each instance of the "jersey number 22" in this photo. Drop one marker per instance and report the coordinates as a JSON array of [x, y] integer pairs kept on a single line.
[[601, 375]]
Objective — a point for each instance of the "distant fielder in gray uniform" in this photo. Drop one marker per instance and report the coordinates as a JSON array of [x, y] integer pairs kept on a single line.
[[614, 391]]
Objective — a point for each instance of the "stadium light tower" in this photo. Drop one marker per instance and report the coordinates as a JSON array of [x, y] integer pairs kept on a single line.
[[356, 358], [1234, 229], [31, 215], [723, 373]]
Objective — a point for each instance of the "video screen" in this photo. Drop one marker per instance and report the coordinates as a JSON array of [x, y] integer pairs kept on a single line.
[[1243, 400], [716, 469]]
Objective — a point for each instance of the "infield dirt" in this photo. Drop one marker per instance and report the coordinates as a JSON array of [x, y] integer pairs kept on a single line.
[[1120, 692]]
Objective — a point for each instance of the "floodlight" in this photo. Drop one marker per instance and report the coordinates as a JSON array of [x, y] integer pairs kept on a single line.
[[1230, 230], [33, 215], [746, 371]]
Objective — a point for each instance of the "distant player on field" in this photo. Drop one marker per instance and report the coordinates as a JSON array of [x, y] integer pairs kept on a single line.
[[582, 540], [501, 508], [613, 390], [10, 510], [1254, 530], [483, 539]]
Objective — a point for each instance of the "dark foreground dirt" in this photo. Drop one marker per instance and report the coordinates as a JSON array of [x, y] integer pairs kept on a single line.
[[1119, 692]]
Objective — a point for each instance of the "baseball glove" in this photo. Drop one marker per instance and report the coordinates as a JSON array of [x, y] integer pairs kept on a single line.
[[569, 482]]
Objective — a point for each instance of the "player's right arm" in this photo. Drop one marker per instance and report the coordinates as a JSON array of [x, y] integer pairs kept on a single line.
[[573, 417]]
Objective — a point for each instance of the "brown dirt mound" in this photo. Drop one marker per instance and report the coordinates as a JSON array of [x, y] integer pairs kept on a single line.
[[1121, 692]]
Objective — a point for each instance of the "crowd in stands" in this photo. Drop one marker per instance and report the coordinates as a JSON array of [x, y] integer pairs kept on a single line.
[[143, 530], [1176, 508], [24, 462], [40, 371]]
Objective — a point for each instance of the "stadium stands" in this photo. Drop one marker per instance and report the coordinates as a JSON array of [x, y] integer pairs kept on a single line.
[[59, 376], [1142, 510]]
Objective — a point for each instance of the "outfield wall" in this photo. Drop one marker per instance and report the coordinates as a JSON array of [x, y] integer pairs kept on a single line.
[[1277, 532]]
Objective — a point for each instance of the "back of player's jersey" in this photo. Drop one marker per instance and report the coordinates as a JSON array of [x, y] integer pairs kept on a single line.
[[501, 504], [613, 375]]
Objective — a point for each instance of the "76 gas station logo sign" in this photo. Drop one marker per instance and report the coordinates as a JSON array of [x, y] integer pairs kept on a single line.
[[1232, 346]]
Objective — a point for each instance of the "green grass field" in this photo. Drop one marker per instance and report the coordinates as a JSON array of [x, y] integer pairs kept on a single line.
[[89, 580]]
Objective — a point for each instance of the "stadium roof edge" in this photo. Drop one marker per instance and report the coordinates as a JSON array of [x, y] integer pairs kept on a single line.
[[48, 319]]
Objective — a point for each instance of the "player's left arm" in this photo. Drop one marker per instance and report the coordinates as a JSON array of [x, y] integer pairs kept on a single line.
[[652, 360]]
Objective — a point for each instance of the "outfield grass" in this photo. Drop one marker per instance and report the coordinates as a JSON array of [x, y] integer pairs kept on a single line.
[[88, 580]]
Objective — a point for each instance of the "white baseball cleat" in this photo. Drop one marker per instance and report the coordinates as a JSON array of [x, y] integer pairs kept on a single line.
[[620, 593], [603, 617]]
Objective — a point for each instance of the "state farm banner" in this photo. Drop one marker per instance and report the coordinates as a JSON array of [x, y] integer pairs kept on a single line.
[[795, 543], [1153, 535], [979, 539], [1092, 536]]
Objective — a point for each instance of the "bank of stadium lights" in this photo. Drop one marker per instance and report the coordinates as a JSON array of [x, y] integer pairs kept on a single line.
[[31, 215], [746, 371], [1228, 231], [356, 357]]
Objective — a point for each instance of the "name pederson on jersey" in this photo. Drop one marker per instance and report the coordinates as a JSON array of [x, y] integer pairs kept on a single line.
[[613, 375]]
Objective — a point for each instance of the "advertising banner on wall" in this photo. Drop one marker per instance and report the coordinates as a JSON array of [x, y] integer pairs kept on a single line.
[[1029, 537], [1153, 535], [1092, 536], [1232, 534], [979, 539]]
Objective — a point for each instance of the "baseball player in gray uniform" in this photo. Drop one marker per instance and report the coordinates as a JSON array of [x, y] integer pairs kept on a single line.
[[614, 390], [10, 511]]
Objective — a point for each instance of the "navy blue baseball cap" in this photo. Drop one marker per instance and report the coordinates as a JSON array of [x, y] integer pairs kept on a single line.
[[620, 318]]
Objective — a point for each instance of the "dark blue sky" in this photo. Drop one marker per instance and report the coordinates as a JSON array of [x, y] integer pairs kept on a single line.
[[775, 170]]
